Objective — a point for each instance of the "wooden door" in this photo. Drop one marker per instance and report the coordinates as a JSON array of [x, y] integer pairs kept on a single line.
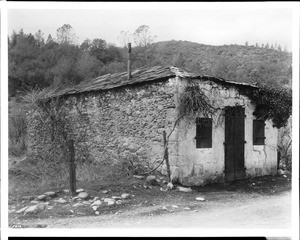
[[234, 143]]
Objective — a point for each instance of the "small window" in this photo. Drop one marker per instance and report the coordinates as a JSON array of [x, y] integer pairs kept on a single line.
[[258, 132], [203, 133]]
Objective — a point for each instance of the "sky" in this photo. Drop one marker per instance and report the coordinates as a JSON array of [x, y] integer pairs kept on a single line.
[[212, 26]]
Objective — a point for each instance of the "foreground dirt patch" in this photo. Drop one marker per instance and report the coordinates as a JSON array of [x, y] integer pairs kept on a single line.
[[145, 200]]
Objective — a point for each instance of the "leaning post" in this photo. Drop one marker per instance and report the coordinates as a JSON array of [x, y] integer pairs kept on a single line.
[[72, 172], [166, 155]]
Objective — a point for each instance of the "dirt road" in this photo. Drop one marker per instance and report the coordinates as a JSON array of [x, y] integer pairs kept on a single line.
[[231, 211]]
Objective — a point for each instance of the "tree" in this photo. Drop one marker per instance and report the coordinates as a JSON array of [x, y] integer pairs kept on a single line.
[[279, 48], [267, 45], [39, 36], [256, 45], [66, 34], [246, 44], [125, 38], [142, 36]]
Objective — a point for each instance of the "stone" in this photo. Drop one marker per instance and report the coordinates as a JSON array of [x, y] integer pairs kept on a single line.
[[50, 194], [97, 213], [95, 208], [34, 202], [110, 203], [66, 190], [31, 209], [184, 189], [41, 207], [200, 199], [125, 196], [105, 191], [119, 202], [61, 200], [151, 179], [116, 197], [78, 205], [170, 186], [95, 199], [97, 203], [21, 210], [138, 177], [42, 197], [280, 172], [83, 195], [79, 190]]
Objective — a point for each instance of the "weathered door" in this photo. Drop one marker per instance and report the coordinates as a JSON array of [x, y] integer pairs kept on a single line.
[[234, 143]]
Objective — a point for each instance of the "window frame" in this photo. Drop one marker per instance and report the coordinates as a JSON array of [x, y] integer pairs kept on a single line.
[[203, 132], [259, 132]]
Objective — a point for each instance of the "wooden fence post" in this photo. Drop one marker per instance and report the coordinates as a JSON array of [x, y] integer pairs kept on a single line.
[[72, 172], [166, 155]]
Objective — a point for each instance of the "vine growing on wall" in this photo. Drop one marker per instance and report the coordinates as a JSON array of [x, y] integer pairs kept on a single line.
[[271, 102]]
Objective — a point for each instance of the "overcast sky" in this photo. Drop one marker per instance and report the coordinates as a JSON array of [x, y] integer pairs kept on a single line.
[[207, 26]]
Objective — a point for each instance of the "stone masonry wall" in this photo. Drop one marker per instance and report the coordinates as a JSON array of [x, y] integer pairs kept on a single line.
[[108, 127]]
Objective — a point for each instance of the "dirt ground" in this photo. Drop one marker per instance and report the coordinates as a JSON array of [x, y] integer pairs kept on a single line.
[[263, 202]]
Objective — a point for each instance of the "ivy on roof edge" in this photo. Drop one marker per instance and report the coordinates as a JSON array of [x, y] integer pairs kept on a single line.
[[272, 102]]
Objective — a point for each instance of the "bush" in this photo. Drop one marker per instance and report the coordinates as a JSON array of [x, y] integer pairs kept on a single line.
[[17, 129]]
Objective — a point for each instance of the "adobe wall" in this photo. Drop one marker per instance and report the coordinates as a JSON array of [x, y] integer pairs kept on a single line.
[[198, 166]]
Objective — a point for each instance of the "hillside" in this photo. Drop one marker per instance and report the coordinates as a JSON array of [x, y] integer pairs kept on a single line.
[[36, 63], [232, 62]]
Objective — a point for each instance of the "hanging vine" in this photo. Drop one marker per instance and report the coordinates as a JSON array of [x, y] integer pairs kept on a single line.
[[272, 102]]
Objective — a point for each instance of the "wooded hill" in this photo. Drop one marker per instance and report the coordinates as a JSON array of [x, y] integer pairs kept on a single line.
[[38, 63]]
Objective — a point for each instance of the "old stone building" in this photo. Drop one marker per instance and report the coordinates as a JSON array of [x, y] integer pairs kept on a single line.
[[116, 118]]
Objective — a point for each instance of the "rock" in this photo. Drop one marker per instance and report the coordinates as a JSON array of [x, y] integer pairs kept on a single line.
[[21, 210], [50, 207], [151, 179], [97, 203], [280, 172], [186, 208], [41, 207], [170, 186], [66, 190], [50, 194], [138, 177], [83, 195], [97, 213], [95, 199], [105, 191], [78, 205], [34, 202], [79, 190], [200, 199], [31, 209], [110, 203], [116, 197], [184, 189], [125, 196], [284, 175], [42, 197], [119, 202], [174, 206], [95, 208], [61, 200], [164, 181]]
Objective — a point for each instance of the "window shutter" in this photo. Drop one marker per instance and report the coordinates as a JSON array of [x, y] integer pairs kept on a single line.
[[258, 132], [203, 133]]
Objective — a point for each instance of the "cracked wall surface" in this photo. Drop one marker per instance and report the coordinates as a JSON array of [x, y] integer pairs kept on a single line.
[[192, 166], [128, 123]]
